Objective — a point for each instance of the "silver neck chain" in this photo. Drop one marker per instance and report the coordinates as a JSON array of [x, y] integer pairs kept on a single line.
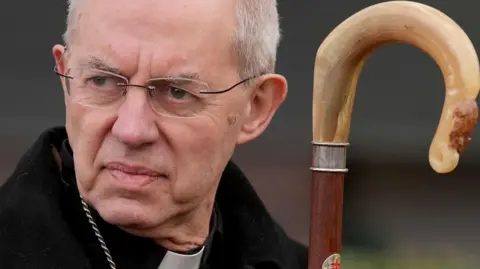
[[99, 236]]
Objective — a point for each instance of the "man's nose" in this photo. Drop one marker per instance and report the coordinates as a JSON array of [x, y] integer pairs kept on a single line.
[[135, 124]]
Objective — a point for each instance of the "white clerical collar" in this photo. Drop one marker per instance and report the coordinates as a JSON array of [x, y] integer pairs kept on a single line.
[[174, 260]]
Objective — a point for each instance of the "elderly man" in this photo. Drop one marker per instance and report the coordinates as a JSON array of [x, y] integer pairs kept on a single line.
[[158, 94]]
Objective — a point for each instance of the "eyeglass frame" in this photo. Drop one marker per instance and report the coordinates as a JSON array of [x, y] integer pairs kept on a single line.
[[150, 87]]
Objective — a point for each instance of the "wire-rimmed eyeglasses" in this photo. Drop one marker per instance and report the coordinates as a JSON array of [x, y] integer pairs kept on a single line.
[[170, 96]]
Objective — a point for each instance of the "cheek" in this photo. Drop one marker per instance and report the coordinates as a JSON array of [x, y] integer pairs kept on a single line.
[[202, 147], [86, 130]]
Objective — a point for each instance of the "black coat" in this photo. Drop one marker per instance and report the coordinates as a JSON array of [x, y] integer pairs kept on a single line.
[[42, 225]]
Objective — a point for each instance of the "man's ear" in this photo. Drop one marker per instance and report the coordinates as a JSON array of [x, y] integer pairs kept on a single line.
[[58, 54], [267, 96]]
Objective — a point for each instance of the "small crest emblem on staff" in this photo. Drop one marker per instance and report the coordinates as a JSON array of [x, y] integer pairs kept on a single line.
[[332, 262]]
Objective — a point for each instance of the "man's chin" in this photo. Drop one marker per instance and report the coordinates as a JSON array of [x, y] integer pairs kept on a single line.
[[124, 213]]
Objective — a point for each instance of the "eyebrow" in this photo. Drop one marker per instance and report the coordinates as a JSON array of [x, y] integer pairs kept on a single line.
[[97, 63], [186, 75]]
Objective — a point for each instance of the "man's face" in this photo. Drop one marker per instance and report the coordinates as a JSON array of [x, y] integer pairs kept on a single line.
[[141, 170]]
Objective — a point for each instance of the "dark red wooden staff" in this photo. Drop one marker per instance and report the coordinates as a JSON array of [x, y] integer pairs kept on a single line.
[[339, 61]]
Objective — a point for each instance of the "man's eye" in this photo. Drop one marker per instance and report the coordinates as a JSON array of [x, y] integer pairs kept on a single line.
[[103, 82], [178, 93], [99, 81]]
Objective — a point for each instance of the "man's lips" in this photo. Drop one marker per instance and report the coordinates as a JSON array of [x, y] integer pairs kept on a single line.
[[133, 170], [132, 177]]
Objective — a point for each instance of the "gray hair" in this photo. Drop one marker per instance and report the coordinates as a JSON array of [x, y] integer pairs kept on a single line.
[[255, 40]]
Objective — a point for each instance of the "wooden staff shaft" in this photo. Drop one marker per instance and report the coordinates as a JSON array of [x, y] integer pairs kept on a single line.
[[326, 212]]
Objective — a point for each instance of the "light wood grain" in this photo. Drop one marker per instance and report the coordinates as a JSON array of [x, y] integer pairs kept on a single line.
[[341, 56]]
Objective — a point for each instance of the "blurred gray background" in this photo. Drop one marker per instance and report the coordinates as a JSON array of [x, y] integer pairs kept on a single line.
[[394, 200]]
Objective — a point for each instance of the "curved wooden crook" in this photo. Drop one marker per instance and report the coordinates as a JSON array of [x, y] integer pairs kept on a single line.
[[340, 58], [338, 64]]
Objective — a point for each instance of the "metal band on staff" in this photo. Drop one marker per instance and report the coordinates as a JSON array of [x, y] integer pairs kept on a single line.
[[329, 157]]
